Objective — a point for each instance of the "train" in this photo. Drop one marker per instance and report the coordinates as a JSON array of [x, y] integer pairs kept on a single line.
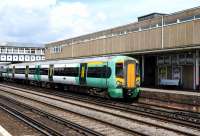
[[109, 76]]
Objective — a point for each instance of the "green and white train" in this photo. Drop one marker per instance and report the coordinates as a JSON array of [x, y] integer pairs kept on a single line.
[[113, 76]]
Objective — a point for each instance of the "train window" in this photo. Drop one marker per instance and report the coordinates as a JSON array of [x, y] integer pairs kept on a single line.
[[99, 72], [58, 71], [119, 70], [19, 70], [71, 71], [137, 70], [9, 70], [67, 71], [44, 71], [32, 71]]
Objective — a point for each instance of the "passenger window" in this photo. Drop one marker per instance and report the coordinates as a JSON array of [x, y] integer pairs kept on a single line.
[[119, 70], [99, 72]]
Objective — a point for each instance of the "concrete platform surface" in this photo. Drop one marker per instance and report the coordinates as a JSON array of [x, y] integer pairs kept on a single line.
[[185, 100]]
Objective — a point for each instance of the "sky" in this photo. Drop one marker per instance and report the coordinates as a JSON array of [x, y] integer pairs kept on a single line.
[[44, 21]]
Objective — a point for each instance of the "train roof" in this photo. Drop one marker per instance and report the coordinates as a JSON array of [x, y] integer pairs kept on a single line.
[[80, 60]]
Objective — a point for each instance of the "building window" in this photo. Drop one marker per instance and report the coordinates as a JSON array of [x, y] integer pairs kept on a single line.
[[27, 50], [56, 49], [33, 51], [9, 50], [21, 50], [15, 50], [3, 50]]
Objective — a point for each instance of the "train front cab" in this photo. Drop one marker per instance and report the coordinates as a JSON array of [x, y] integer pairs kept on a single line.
[[132, 79], [127, 78]]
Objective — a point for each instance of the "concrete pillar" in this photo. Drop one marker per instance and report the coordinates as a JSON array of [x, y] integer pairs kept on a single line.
[[196, 70], [142, 68]]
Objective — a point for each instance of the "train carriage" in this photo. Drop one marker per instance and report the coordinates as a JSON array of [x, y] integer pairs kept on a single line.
[[115, 76]]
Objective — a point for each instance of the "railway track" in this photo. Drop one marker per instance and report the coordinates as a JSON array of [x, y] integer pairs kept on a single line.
[[101, 127], [189, 119], [123, 117], [33, 123], [177, 116], [41, 120]]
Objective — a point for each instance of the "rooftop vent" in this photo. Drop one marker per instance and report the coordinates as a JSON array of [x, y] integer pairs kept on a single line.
[[150, 16]]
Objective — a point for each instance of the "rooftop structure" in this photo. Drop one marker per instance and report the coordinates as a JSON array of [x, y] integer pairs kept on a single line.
[[150, 16], [20, 52]]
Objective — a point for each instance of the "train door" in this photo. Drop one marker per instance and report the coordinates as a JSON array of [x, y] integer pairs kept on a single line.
[[50, 72], [7, 72], [130, 74], [37, 75], [82, 73], [13, 72], [26, 72]]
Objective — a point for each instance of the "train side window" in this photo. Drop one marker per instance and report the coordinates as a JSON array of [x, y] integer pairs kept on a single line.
[[137, 70], [67, 71], [58, 71], [19, 70], [32, 71], [44, 71], [99, 72], [119, 70]]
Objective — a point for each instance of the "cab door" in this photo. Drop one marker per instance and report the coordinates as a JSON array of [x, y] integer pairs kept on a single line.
[[130, 74], [82, 73]]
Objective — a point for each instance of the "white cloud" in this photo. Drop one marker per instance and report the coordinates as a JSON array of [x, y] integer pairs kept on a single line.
[[68, 17], [48, 20]]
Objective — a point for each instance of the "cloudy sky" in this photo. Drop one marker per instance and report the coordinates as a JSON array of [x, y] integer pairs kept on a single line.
[[42, 21]]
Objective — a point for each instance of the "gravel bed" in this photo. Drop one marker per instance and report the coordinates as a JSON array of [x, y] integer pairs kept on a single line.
[[150, 130], [81, 120], [15, 126]]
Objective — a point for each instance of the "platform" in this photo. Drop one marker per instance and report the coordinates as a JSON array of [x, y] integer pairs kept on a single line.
[[185, 100], [4, 132]]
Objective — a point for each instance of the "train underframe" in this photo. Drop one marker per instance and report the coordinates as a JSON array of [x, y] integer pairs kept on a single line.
[[127, 94]]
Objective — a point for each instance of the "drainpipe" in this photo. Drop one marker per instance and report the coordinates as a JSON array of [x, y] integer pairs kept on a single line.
[[196, 70], [72, 49], [142, 68], [162, 34]]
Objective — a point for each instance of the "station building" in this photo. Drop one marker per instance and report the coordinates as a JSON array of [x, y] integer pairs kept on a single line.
[[21, 52], [167, 46]]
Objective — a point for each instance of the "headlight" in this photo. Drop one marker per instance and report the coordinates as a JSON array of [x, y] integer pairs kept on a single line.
[[119, 84], [138, 82]]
